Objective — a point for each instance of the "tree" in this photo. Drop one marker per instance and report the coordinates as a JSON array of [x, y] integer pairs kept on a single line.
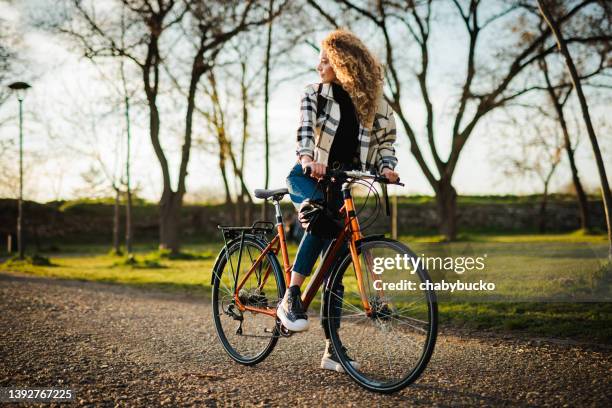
[[266, 104], [128, 137], [482, 90], [97, 181], [215, 25], [217, 124], [539, 155], [141, 27], [242, 63], [558, 101], [208, 26], [555, 24]]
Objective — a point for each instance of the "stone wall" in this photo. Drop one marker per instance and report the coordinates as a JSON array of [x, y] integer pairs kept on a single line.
[[93, 222]]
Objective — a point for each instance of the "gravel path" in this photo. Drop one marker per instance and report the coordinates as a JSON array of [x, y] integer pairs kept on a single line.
[[119, 346]]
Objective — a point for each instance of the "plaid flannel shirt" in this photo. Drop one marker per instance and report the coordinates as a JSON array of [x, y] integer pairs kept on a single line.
[[316, 134]]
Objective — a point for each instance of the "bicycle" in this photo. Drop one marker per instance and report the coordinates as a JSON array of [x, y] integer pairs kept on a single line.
[[391, 333]]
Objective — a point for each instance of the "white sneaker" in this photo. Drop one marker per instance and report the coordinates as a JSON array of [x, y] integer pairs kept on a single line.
[[291, 312], [330, 359]]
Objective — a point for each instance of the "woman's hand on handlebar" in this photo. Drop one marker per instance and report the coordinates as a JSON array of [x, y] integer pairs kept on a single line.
[[317, 170], [390, 175]]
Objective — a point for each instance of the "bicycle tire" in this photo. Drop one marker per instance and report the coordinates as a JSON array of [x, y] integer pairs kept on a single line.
[[221, 267], [331, 302]]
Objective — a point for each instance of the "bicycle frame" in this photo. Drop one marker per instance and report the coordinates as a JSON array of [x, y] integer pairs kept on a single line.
[[351, 233]]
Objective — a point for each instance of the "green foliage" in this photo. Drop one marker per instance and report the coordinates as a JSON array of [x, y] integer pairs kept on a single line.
[[153, 260], [34, 260], [115, 252], [601, 280], [586, 321], [144, 263], [103, 201], [182, 255]]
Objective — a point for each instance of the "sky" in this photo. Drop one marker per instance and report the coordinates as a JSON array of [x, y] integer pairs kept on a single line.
[[68, 130]]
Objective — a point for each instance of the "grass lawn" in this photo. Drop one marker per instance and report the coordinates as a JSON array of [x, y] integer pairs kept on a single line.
[[546, 285]]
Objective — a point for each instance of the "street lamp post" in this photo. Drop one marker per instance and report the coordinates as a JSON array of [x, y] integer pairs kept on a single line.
[[20, 89]]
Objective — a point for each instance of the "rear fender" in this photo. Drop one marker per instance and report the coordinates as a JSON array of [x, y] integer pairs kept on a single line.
[[222, 254]]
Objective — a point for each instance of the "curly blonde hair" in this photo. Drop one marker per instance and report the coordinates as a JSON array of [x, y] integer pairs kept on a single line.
[[357, 70]]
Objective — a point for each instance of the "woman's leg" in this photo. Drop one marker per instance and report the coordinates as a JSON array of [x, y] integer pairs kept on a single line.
[[290, 311], [302, 187], [310, 247], [330, 359], [335, 203]]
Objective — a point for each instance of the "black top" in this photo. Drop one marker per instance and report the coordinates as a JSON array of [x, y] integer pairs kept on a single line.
[[344, 150]]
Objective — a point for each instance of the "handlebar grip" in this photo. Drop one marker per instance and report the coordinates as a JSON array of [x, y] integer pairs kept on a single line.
[[383, 179], [307, 170]]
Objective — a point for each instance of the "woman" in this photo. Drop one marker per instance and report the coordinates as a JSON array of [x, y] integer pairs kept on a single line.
[[345, 124]]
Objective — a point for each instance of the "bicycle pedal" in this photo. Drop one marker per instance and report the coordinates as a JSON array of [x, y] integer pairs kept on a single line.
[[285, 332]]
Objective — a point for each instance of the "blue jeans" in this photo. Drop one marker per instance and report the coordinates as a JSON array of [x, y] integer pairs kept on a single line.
[[300, 188]]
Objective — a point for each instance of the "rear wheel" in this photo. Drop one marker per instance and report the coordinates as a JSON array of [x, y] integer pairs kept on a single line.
[[248, 337], [393, 342]]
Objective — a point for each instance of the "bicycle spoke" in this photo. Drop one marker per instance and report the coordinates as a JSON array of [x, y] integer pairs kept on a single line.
[[399, 321], [412, 319], [354, 308], [406, 309], [388, 358], [349, 316]]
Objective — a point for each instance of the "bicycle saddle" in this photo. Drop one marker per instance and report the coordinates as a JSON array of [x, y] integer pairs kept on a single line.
[[278, 194]]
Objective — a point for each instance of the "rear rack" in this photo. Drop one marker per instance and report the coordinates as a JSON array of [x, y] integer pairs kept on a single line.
[[261, 229]]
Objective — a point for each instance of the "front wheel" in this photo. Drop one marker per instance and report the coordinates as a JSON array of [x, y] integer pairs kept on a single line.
[[384, 333]]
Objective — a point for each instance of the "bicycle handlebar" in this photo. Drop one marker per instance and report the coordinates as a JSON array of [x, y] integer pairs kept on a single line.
[[354, 174]]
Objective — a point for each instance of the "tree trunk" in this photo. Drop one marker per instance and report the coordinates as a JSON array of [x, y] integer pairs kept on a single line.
[[168, 235], [249, 213], [116, 222], [542, 215], [605, 187], [581, 196], [446, 199], [128, 134], [170, 221], [583, 203], [128, 184], [246, 212], [128, 222], [239, 209], [171, 202], [228, 196], [264, 207]]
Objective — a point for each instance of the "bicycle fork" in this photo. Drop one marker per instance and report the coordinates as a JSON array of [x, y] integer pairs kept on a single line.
[[355, 231]]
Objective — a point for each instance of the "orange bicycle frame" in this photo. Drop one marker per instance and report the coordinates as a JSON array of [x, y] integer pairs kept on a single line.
[[351, 233]]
